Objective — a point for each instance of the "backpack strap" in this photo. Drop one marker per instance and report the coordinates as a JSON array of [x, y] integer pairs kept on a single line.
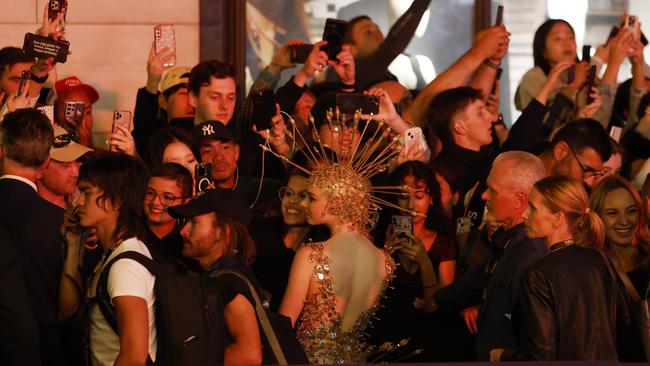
[[262, 317], [101, 291]]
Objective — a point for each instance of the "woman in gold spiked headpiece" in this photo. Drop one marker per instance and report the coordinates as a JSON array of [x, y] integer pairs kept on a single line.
[[335, 286]]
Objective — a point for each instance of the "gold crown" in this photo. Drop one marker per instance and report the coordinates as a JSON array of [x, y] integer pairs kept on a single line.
[[345, 178]]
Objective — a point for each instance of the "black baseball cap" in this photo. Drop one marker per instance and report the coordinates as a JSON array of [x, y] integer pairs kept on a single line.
[[223, 202], [210, 130]]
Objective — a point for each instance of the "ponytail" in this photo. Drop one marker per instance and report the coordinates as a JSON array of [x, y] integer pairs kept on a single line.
[[567, 195], [589, 231]]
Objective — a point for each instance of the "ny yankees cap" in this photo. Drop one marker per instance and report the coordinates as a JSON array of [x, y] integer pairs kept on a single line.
[[210, 130]]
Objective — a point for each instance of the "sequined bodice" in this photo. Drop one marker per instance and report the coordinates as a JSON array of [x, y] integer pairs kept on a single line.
[[320, 325]]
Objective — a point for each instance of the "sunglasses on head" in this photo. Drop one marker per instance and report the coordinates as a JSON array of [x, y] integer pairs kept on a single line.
[[65, 139]]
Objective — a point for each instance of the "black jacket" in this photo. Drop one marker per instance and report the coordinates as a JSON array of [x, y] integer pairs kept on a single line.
[[494, 286], [568, 308], [33, 225]]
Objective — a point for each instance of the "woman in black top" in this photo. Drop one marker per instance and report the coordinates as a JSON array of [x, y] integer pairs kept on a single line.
[[620, 207], [426, 255], [568, 299]]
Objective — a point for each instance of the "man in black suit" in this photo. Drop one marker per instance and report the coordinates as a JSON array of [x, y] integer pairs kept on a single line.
[[32, 222], [18, 332], [495, 284]]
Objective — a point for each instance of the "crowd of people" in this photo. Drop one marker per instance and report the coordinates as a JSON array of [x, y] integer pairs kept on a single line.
[[430, 231]]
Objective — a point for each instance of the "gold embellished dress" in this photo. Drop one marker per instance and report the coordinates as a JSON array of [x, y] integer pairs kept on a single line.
[[320, 325]]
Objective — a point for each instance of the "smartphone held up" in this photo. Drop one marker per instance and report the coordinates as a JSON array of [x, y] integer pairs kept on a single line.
[[165, 38]]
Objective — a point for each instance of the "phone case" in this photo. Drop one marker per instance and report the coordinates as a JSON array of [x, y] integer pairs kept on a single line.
[[499, 18], [591, 81], [263, 102], [121, 118], [43, 47], [333, 33], [74, 111], [402, 224], [164, 37], [349, 103], [299, 53], [55, 7], [203, 176], [413, 136]]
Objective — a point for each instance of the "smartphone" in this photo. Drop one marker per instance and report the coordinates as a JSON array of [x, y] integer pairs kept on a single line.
[[203, 176], [571, 74], [121, 118], [164, 37], [615, 133], [74, 111], [263, 102], [333, 33], [43, 47], [586, 53], [632, 21], [402, 224], [591, 81], [349, 103], [299, 53], [499, 18], [26, 74], [54, 7], [413, 136]]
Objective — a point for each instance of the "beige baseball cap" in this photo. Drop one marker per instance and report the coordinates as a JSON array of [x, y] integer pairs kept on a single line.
[[65, 149], [176, 76]]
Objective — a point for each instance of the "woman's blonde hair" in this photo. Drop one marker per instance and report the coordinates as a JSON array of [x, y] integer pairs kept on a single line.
[[568, 196]]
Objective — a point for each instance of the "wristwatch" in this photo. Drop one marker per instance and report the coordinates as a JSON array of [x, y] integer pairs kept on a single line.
[[41, 79]]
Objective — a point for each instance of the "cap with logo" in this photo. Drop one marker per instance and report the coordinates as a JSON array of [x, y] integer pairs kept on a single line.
[[210, 130], [223, 202], [65, 149], [72, 83], [177, 76]]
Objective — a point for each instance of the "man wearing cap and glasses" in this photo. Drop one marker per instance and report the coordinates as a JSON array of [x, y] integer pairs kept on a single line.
[[578, 150], [32, 222], [58, 181], [215, 235]]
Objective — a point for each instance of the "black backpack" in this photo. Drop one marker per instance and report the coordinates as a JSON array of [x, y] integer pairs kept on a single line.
[[280, 345], [189, 325]]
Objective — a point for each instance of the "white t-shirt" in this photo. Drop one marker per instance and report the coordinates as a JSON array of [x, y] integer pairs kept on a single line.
[[126, 278]]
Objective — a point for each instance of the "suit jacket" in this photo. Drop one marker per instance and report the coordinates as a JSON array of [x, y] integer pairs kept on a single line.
[[495, 286], [34, 227], [18, 331]]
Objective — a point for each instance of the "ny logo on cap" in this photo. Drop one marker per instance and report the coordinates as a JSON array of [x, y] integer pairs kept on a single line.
[[208, 130]]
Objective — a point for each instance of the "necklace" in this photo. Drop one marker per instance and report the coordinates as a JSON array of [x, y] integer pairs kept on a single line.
[[560, 245], [101, 264]]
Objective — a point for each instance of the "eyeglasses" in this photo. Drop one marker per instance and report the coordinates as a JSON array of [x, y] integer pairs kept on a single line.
[[587, 172], [289, 194], [65, 139], [166, 199]]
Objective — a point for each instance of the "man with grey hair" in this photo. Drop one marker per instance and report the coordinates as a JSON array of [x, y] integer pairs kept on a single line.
[[494, 285]]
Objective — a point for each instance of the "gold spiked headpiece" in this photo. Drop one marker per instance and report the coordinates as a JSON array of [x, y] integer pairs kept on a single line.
[[345, 179]]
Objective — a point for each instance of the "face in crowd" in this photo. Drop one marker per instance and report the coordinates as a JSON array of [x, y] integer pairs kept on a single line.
[[620, 214], [216, 101], [60, 178], [177, 104], [93, 209], [293, 213], [539, 218], [10, 79], [560, 44], [161, 193], [419, 199], [223, 155], [178, 152]]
